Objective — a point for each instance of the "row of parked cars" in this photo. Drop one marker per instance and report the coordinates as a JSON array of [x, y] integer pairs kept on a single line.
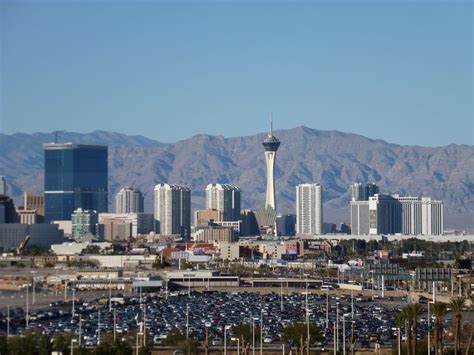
[[212, 312]]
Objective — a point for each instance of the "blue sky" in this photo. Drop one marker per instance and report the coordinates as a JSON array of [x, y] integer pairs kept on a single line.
[[397, 70]]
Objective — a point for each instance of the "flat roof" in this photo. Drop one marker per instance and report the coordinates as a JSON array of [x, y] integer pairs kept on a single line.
[[59, 146]]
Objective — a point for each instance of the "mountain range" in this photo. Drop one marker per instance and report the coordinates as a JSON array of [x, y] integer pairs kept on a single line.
[[332, 158]]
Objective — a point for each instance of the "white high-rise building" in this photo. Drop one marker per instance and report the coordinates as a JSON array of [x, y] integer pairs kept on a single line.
[[309, 209], [129, 200], [432, 217], [173, 209], [394, 214], [224, 198]]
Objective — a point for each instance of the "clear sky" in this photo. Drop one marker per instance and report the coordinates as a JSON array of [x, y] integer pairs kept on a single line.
[[401, 71]]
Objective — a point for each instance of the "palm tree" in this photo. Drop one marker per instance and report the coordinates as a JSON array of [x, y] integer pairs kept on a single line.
[[457, 304], [399, 320], [438, 310], [471, 335], [415, 312], [406, 314]]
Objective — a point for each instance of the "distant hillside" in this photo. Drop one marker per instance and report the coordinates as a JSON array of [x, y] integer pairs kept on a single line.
[[332, 158]]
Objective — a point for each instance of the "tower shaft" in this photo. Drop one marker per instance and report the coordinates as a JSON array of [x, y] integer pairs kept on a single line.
[[270, 157]]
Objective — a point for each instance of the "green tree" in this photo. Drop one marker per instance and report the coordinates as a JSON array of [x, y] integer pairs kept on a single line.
[[61, 342], [187, 345], [438, 310], [174, 338], [399, 321], [3, 344], [245, 332], [457, 304], [44, 345], [21, 345], [415, 310], [406, 314], [296, 333]]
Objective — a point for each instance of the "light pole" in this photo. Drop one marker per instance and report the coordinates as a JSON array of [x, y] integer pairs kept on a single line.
[[80, 329], [73, 311], [281, 294], [98, 329], [110, 294], [115, 326], [261, 331], [225, 338], [33, 277], [253, 336], [27, 315], [327, 308], [352, 304], [238, 344], [8, 321], [187, 321], [337, 325], [429, 329], [72, 345], [344, 334]]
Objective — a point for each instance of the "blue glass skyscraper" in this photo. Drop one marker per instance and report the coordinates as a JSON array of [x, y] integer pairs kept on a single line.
[[75, 176]]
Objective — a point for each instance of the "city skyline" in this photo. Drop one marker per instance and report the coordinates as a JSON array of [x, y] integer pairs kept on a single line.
[[331, 163], [211, 71]]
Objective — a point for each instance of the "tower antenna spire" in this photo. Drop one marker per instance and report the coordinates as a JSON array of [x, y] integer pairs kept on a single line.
[[271, 123]]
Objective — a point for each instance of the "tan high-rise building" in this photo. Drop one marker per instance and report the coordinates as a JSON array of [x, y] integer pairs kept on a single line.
[[33, 202], [27, 216], [203, 217]]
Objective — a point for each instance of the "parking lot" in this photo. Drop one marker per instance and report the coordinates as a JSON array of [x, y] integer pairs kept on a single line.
[[197, 312]]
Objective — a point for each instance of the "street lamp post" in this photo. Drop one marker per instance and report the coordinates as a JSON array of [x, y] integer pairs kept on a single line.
[[187, 321], [261, 331], [98, 329], [8, 321], [73, 311], [253, 336], [344, 334], [225, 338], [27, 315], [115, 326], [281, 294], [33, 278], [238, 344], [80, 329], [429, 329], [337, 325], [72, 345], [327, 308]]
